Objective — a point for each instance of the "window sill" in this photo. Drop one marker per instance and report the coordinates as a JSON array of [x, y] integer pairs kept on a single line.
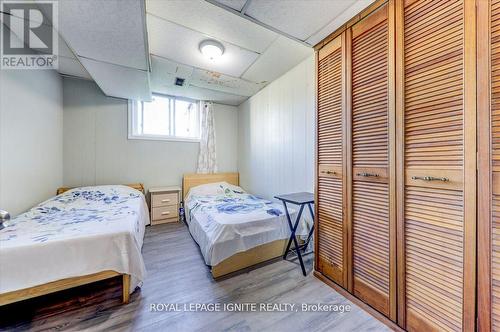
[[164, 138]]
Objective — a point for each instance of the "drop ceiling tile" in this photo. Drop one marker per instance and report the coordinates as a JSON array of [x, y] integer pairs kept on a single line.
[[194, 92], [118, 81], [106, 30], [163, 77], [64, 50], [337, 22], [180, 44], [164, 71], [234, 4], [72, 67], [213, 21], [171, 67], [219, 82], [281, 56], [297, 18]]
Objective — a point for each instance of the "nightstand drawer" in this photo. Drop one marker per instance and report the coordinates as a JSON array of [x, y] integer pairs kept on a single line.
[[164, 199], [164, 212]]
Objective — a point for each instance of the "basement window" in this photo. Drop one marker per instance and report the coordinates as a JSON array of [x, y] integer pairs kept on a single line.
[[164, 118]]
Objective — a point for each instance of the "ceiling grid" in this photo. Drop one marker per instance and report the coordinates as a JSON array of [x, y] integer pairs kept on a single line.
[[132, 58]]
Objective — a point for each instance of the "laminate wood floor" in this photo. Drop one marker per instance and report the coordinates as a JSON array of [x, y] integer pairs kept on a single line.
[[177, 274]]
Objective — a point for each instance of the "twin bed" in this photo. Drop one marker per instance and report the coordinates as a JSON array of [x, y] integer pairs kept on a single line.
[[89, 234], [81, 236], [234, 229]]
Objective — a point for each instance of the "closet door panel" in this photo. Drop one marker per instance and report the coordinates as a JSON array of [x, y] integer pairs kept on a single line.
[[436, 69], [370, 161], [330, 157], [495, 238], [495, 165], [493, 227], [489, 166]]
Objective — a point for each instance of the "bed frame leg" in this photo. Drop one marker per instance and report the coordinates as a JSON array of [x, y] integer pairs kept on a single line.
[[125, 288]]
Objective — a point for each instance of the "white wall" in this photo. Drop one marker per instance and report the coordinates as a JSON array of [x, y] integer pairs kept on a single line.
[[277, 135], [97, 151], [31, 132]]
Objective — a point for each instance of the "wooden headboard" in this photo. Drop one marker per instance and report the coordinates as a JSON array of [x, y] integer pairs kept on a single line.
[[137, 186], [192, 180]]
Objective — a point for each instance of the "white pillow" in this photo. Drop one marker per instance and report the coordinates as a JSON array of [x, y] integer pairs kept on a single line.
[[216, 188]]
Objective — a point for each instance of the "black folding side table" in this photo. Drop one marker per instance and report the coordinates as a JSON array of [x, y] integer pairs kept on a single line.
[[302, 199]]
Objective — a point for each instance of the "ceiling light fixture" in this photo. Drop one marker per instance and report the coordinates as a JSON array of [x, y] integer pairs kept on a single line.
[[212, 49]]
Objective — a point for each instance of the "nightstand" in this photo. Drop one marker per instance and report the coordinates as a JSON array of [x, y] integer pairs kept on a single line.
[[165, 204]]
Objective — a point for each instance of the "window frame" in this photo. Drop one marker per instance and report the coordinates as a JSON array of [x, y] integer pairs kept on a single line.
[[132, 125]]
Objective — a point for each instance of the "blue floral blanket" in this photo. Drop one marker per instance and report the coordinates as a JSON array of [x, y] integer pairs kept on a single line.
[[227, 220], [83, 231]]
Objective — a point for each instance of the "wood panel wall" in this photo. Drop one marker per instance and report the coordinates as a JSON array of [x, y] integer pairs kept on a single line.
[[409, 194]]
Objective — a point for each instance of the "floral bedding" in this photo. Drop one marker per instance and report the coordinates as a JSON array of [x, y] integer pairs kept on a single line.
[[230, 220], [82, 231], [78, 212], [233, 202]]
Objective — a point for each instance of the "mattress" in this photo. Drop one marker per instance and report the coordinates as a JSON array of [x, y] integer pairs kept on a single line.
[[82, 231], [224, 220]]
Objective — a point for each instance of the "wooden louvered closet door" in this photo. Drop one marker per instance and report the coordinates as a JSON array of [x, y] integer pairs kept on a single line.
[[330, 200], [372, 261], [439, 164], [489, 165]]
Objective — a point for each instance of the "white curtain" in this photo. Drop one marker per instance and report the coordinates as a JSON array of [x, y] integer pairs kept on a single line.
[[207, 159]]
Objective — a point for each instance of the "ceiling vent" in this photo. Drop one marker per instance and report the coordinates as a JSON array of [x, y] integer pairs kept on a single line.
[[179, 81]]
